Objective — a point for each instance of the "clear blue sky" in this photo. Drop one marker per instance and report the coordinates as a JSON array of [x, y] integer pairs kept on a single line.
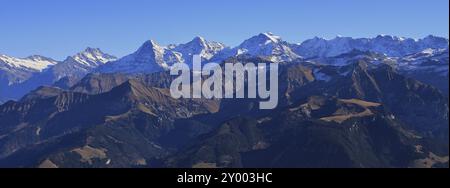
[[58, 28]]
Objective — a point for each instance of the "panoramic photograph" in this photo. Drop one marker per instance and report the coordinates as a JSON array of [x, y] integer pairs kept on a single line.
[[224, 84]]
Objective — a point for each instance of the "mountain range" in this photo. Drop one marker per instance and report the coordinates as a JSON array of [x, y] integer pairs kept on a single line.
[[19, 76], [344, 102]]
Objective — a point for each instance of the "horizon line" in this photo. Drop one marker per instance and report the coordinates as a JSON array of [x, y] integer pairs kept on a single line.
[[231, 47]]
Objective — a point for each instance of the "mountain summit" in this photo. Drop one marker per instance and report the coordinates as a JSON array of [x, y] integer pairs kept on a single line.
[[92, 57], [199, 46], [26, 74], [385, 44], [152, 57], [265, 45], [72, 69]]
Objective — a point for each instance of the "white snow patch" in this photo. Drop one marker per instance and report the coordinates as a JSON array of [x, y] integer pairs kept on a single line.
[[37, 64]]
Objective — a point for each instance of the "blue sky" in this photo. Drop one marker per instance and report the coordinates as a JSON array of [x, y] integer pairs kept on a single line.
[[58, 28]]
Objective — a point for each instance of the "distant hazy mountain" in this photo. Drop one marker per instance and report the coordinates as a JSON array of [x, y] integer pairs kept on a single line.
[[80, 64], [76, 66], [17, 70], [384, 44], [44, 71]]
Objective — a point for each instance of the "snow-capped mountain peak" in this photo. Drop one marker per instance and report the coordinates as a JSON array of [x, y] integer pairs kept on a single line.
[[17, 70], [147, 49], [389, 37], [266, 45], [32, 63], [271, 36], [92, 57], [40, 58], [75, 66], [385, 44], [200, 41], [199, 46], [260, 40], [150, 57]]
